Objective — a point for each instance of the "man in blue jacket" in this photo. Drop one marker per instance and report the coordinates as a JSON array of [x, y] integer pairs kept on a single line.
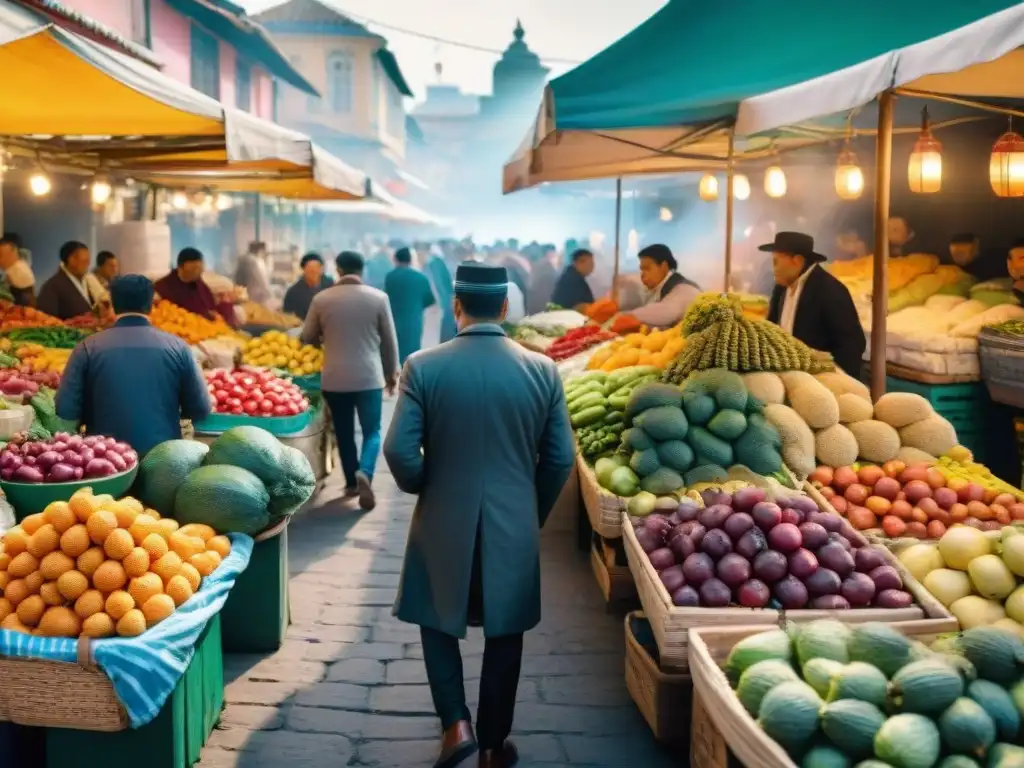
[[133, 382]]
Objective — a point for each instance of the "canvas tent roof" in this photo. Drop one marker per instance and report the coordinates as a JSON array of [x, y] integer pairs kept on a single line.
[[665, 97]]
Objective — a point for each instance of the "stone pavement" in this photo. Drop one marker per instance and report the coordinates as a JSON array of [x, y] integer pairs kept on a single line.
[[348, 687]]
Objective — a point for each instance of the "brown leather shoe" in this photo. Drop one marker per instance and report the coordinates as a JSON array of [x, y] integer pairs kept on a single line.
[[457, 744], [506, 757]]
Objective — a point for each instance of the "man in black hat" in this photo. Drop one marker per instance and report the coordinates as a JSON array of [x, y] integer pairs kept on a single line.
[[811, 304], [481, 434]]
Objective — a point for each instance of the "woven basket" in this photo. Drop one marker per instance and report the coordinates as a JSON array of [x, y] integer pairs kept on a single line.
[[604, 509], [615, 581], [671, 624], [1002, 366], [723, 721], [57, 694], [662, 698]]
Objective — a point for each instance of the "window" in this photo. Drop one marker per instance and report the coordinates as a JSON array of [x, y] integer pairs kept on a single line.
[[139, 17], [243, 85], [205, 62], [396, 112], [339, 82]]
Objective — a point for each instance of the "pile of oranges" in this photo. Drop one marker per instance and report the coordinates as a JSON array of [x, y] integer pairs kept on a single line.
[[100, 567], [187, 325]]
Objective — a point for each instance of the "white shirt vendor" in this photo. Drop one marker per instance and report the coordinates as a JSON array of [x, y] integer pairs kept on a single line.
[[791, 300], [670, 293]]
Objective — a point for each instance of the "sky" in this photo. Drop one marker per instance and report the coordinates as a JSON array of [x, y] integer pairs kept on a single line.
[[566, 30]]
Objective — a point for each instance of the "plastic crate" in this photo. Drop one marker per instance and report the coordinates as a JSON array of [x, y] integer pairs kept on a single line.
[[257, 611], [174, 739]]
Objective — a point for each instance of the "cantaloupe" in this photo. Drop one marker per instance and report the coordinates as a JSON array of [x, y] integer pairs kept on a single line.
[[766, 387], [909, 455], [814, 404], [853, 408], [836, 446], [118, 604], [797, 438], [75, 540], [839, 383], [876, 440], [932, 435], [898, 409]]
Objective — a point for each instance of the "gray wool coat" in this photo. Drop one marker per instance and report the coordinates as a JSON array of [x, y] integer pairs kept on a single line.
[[481, 434]]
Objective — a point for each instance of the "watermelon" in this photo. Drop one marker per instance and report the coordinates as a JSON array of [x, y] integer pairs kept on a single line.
[[228, 499], [165, 468], [249, 448], [296, 486]]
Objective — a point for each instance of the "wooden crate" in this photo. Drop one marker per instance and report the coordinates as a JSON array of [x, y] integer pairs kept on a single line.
[[604, 509], [614, 579], [671, 623], [724, 726], [663, 698]]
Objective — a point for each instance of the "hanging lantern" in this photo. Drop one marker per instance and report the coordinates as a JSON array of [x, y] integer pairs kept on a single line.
[[1006, 167], [101, 191], [665, 214], [925, 169], [708, 187], [740, 187], [775, 181], [849, 177]]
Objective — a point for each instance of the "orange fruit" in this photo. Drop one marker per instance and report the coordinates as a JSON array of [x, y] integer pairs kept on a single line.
[[33, 523], [34, 582], [60, 622], [166, 526], [104, 500], [54, 564], [99, 625], [15, 541], [191, 575], [144, 587], [100, 525], [5, 560], [142, 526], [72, 585], [16, 591], [118, 604], [157, 608], [83, 504], [203, 563], [199, 530], [6, 609], [184, 546], [109, 576], [156, 546], [179, 589], [130, 502], [75, 540], [90, 560], [167, 566], [124, 514], [219, 544], [44, 541], [13, 623], [118, 544], [50, 594], [31, 610], [136, 563], [5, 579], [89, 602], [22, 565], [59, 515], [132, 623]]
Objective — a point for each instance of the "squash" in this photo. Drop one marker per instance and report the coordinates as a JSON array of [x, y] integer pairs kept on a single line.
[[860, 681], [996, 654], [818, 673], [966, 728], [908, 741], [961, 544], [822, 639], [789, 714], [881, 645], [926, 687], [999, 706], [773, 644], [852, 726], [759, 679]]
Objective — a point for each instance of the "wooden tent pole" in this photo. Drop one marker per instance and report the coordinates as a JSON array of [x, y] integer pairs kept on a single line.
[[618, 237], [880, 271], [729, 203]]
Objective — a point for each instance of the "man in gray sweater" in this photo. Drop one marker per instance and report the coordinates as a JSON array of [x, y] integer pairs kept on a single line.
[[353, 323]]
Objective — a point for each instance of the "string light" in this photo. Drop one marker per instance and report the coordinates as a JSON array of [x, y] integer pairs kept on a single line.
[[708, 188], [101, 191], [740, 187], [40, 184], [775, 181], [665, 214], [179, 201]]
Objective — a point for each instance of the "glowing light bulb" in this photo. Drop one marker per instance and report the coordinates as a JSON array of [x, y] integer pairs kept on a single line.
[[101, 191], [708, 188], [665, 214], [740, 186], [40, 184], [775, 182], [179, 201]]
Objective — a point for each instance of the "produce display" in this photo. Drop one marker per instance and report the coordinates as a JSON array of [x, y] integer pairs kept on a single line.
[[98, 567], [866, 694], [718, 335], [92, 321], [912, 279], [15, 316], [254, 392], [58, 337], [257, 314], [187, 325], [23, 382], [245, 481], [275, 349], [64, 458], [979, 576], [36, 358], [537, 339], [597, 403], [602, 310], [1013, 327], [644, 347], [742, 549], [578, 340]]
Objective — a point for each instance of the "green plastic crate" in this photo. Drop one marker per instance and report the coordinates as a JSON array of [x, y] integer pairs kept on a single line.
[[257, 612], [174, 739]]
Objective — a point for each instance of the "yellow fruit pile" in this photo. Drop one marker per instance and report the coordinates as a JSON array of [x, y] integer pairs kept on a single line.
[[100, 567], [275, 349], [41, 358], [187, 325], [658, 348]]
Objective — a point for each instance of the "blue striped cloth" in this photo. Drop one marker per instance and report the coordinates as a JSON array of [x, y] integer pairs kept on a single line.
[[145, 669]]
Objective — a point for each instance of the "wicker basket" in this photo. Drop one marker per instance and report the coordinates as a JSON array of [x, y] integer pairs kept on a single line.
[[671, 623], [615, 581], [604, 509], [725, 724], [662, 698], [1002, 366], [56, 694]]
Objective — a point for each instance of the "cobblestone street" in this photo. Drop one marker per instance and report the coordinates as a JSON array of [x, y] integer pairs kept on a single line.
[[348, 688]]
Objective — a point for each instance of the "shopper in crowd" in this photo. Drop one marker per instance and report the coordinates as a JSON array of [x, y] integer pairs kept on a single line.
[[251, 273], [353, 323], [811, 304], [481, 434], [378, 269], [543, 279], [133, 382], [107, 268], [900, 234], [185, 286], [572, 290], [1015, 267], [668, 293], [965, 252], [67, 293], [17, 274], [409, 292], [441, 277], [313, 280]]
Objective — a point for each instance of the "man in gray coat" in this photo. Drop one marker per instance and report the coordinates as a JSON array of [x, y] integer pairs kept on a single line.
[[481, 434]]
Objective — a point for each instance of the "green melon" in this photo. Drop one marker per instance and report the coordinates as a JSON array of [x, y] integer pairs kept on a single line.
[[995, 653], [926, 687], [727, 424], [250, 448], [818, 674], [824, 756], [296, 485], [772, 644], [164, 469], [908, 741], [958, 761], [789, 714], [860, 681], [822, 639], [998, 703], [229, 499], [852, 726], [1003, 755], [966, 728], [758, 679], [881, 645]]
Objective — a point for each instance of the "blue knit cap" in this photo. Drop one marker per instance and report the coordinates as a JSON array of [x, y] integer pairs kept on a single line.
[[131, 293], [476, 277]]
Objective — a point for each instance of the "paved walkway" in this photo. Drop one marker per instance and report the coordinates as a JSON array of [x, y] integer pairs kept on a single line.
[[348, 687]]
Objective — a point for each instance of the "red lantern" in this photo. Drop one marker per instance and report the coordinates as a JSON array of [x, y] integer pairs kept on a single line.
[[1006, 167]]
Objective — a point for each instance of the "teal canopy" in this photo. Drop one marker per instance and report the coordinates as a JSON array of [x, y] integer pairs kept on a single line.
[[666, 96]]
